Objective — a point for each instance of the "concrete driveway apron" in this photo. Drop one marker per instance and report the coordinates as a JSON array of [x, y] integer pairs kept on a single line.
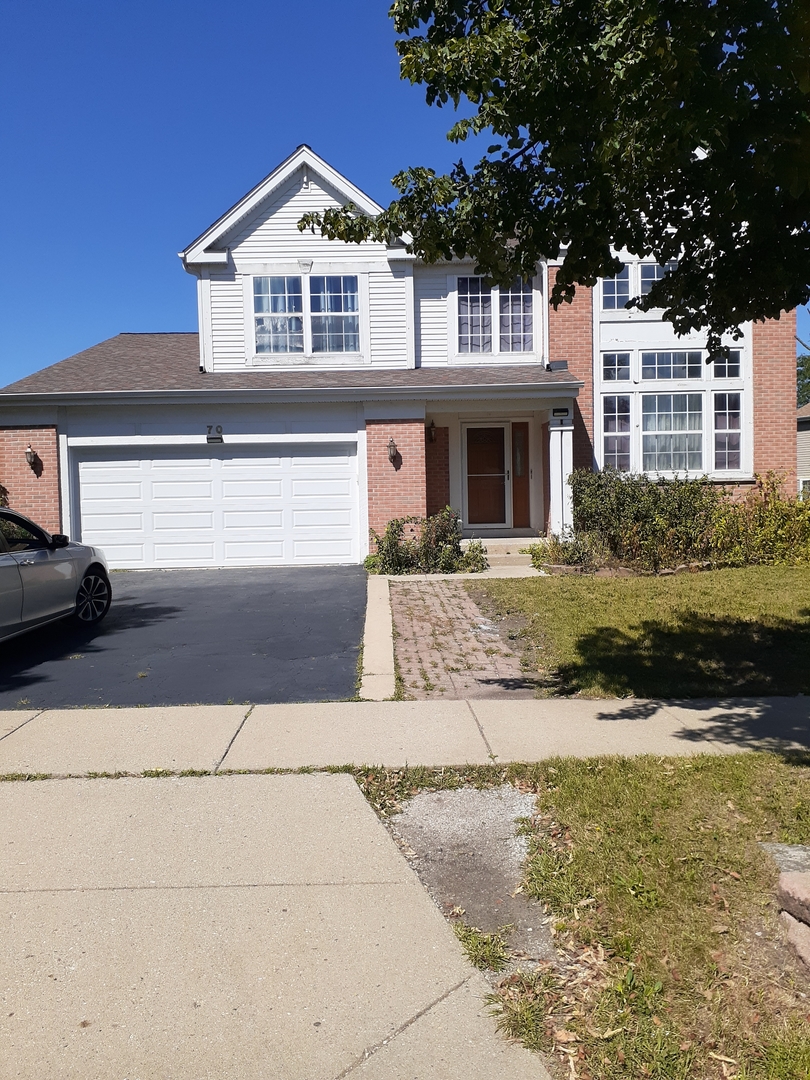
[[229, 926]]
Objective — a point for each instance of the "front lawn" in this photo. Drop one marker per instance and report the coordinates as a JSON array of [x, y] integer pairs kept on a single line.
[[673, 964], [739, 632]]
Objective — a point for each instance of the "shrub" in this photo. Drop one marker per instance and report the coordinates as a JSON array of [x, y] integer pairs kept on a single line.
[[3, 496], [763, 528], [651, 523], [569, 549], [433, 546]]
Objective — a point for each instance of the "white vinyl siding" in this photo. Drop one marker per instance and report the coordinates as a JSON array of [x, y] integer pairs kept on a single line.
[[272, 231], [388, 321], [431, 293], [803, 455], [227, 322], [221, 505]]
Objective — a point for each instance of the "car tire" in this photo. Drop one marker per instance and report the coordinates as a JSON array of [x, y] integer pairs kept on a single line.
[[93, 598]]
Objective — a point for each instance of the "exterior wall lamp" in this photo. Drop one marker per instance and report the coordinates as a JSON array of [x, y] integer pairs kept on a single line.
[[392, 451], [31, 456], [431, 431]]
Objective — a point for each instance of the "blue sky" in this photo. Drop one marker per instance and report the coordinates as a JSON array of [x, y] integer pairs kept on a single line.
[[128, 127]]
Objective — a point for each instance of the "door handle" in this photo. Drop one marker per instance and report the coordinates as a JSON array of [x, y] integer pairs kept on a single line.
[[26, 562]]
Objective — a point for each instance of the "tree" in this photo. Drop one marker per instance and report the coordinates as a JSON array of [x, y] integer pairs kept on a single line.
[[678, 129], [802, 379]]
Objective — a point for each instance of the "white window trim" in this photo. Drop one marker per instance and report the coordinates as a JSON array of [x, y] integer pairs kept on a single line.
[[307, 358], [707, 387], [539, 325], [623, 314]]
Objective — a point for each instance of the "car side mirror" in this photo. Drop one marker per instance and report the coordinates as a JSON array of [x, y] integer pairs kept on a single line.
[[59, 540]]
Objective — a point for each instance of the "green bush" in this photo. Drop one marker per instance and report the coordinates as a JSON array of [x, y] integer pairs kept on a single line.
[[764, 528], [655, 523], [3, 496], [650, 523], [430, 545], [570, 549]]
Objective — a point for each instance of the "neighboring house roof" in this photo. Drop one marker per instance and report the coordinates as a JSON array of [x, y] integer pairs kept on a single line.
[[804, 412], [206, 248], [155, 363]]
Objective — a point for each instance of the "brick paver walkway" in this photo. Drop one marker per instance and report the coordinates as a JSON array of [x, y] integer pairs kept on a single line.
[[447, 648]]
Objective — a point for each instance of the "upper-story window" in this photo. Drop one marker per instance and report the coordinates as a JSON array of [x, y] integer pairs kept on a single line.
[[633, 279], [616, 290], [321, 318], [671, 365], [727, 367], [479, 303]]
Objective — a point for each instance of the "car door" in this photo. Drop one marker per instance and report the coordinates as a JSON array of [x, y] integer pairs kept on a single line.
[[48, 574], [11, 594]]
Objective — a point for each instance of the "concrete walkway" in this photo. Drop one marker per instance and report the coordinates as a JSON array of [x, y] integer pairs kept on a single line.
[[265, 926], [77, 742], [240, 927]]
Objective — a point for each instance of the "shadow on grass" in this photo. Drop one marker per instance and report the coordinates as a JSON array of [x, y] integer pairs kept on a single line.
[[695, 657]]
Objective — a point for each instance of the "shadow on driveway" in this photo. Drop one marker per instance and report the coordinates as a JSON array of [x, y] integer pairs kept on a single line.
[[199, 636]]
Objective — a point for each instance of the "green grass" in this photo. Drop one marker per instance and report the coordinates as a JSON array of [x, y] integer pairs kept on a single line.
[[489, 952], [711, 634], [664, 909]]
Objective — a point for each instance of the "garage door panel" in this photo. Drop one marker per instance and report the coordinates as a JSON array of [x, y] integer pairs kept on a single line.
[[183, 489], [222, 506], [180, 522], [317, 550], [252, 520], [252, 489], [113, 523], [183, 553], [253, 551]]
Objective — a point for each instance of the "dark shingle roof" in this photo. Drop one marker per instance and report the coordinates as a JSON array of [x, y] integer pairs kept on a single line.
[[804, 411], [156, 362]]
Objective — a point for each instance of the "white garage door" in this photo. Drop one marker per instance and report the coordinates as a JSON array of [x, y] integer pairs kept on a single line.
[[221, 505]]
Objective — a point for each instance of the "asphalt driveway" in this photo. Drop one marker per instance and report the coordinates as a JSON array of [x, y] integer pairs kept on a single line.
[[176, 637]]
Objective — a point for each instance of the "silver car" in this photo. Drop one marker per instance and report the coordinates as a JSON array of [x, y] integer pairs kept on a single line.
[[44, 577]]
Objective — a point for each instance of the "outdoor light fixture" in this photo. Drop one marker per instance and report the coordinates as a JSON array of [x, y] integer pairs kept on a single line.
[[30, 456], [392, 451], [431, 431], [559, 412]]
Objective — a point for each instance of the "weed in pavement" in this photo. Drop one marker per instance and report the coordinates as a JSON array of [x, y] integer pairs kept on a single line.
[[489, 952]]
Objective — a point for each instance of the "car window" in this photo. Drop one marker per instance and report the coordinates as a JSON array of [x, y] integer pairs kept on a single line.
[[19, 537]]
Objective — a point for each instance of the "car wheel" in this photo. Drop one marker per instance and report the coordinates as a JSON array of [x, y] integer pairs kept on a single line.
[[94, 598]]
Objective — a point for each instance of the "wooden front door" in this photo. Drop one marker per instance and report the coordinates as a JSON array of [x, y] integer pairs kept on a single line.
[[520, 476], [486, 475]]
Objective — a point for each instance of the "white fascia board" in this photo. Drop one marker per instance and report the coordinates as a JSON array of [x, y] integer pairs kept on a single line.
[[303, 156], [278, 438], [247, 396]]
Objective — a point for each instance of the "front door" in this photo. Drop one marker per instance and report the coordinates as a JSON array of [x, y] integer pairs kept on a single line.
[[487, 475]]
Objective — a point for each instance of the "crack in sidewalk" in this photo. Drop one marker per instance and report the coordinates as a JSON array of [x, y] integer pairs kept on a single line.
[[233, 739], [371, 1050], [22, 725], [493, 757]]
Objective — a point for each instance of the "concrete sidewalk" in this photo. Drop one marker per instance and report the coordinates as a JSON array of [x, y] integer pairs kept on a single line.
[[235, 927], [231, 737]]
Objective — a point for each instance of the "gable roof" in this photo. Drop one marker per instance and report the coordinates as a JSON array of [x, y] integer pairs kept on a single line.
[[207, 247], [160, 363], [804, 410]]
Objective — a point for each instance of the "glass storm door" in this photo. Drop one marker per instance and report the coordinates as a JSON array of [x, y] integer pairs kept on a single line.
[[487, 475]]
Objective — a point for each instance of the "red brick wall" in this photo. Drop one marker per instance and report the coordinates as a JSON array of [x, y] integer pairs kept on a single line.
[[35, 496], [570, 337], [396, 490], [437, 470], [774, 352]]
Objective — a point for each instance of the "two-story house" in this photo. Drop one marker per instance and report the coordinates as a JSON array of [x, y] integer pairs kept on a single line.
[[332, 387]]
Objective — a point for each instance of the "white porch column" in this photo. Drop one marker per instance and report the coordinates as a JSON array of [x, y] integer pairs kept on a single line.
[[561, 465]]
